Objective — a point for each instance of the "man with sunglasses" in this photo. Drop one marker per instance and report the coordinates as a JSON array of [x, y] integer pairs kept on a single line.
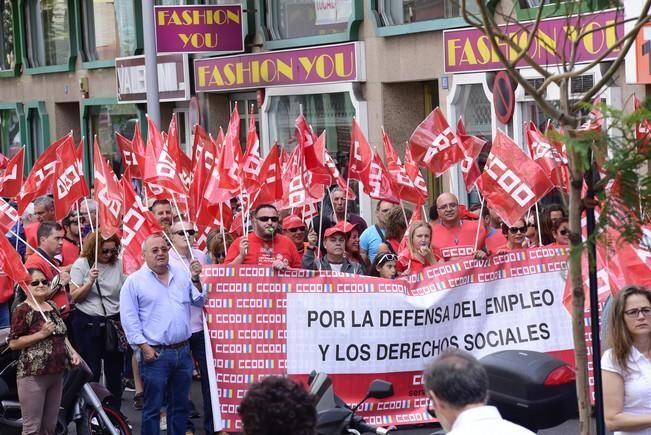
[[453, 237], [264, 246], [294, 228], [182, 234], [457, 387]]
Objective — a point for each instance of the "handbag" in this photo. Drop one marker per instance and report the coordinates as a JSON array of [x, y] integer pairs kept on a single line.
[[114, 338]]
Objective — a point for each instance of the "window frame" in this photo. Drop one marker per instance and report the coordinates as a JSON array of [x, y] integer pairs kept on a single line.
[[22, 119], [73, 30], [351, 33], [405, 29], [18, 44], [558, 10], [44, 118]]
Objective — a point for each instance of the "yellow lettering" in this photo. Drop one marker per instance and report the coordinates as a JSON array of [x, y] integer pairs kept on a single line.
[[468, 56], [201, 72], [547, 42], [589, 39], [571, 32], [231, 77], [307, 65], [184, 39], [321, 66], [484, 50], [285, 69], [240, 70], [162, 17], [233, 16], [216, 77], [267, 64], [611, 34], [453, 45], [188, 18], [174, 19], [340, 65]]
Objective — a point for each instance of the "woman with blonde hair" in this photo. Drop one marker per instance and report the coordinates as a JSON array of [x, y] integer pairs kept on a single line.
[[419, 253], [626, 365]]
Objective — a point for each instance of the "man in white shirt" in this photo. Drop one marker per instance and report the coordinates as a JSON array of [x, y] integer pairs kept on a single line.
[[457, 386]]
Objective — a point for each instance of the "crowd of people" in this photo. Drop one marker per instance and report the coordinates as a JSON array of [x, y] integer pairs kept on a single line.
[[161, 346]]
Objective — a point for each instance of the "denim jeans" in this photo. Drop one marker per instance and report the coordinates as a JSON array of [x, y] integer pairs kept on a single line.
[[198, 348], [170, 372]]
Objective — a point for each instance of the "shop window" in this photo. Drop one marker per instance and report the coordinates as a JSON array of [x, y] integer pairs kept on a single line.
[[528, 9], [7, 36], [10, 135], [36, 140], [47, 32], [108, 29], [396, 12], [286, 19], [103, 121]]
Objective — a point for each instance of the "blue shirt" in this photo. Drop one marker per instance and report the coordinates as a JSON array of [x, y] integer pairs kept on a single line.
[[369, 241], [155, 314]]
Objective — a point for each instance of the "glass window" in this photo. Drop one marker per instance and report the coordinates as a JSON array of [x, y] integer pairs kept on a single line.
[[7, 53], [47, 32], [10, 137], [109, 29], [298, 18], [35, 132], [394, 12], [104, 121]]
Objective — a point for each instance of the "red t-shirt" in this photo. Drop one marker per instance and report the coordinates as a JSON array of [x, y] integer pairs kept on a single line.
[[459, 241], [263, 252], [495, 240], [407, 261], [69, 252]]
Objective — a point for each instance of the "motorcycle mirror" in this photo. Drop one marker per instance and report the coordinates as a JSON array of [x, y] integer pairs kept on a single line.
[[380, 389]]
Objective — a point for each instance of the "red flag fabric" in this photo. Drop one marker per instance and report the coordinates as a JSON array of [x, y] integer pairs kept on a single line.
[[361, 155], [313, 151], [203, 143], [411, 167], [435, 144], [215, 216], [471, 147], [202, 172], [511, 182], [183, 161], [41, 180], [79, 160], [138, 224], [544, 152], [129, 161], [642, 129], [404, 186], [251, 161], [10, 261], [4, 161], [12, 178], [270, 188], [160, 168], [379, 185], [295, 188], [8, 216], [70, 181], [108, 194], [226, 177]]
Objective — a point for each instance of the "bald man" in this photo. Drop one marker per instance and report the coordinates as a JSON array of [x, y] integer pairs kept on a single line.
[[453, 237]]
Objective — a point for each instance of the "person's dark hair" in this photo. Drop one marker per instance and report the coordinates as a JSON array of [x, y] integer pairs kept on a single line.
[[619, 337], [261, 206], [69, 220], [457, 378], [546, 224], [395, 223], [46, 228], [278, 406], [89, 246], [433, 213], [379, 260], [160, 202], [557, 223], [505, 227]]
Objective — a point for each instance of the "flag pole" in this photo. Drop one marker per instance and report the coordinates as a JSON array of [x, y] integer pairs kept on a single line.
[[346, 195], [538, 225], [178, 212], [98, 235], [321, 223], [90, 221], [81, 239], [479, 222], [404, 214], [38, 307], [333, 204], [221, 227], [175, 250]]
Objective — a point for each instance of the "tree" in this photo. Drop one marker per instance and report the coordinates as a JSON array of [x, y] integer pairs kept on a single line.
[[497, 21]]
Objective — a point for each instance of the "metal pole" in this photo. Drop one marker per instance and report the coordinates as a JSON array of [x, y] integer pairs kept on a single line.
[[151, 64]]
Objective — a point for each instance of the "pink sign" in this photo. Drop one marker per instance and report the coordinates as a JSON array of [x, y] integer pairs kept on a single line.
[[469, 50], [198, 29], [327, 64]]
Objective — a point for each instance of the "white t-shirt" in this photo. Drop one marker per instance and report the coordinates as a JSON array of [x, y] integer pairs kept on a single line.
[[485, 420], [637, 385]]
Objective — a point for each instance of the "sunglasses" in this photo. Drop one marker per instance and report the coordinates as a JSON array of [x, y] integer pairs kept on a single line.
[[188, 232], [563, 232], [387, 257], [293, 230], [35, 283], [110, 251], [163, 249], [267, 218], [515, 230]]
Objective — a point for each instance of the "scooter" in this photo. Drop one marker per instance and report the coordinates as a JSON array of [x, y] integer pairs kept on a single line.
[[334, 417], [82, 402]]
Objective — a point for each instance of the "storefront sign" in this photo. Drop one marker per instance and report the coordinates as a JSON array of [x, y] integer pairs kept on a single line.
[[173, 78], [198, 29], [328, 64], [469, 50]]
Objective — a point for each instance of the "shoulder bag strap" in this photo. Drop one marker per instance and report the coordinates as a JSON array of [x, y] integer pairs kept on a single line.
[[379, 231]]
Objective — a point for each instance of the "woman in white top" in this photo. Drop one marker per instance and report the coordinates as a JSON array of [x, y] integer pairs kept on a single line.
[[626, 365]]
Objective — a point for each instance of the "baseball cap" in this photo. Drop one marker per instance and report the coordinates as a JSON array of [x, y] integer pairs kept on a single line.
[[292, 221], [340, 227]]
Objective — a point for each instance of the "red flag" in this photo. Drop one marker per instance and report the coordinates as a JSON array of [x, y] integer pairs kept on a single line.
[[251, 162], [10, 261], [129, 160], [404, 185], [41, 180], [70, 181], [160, 167], [313, 151], [4, 161], [226, 178], [642, 129], [361, 155], [108, 194], [12, 178], [414, 173], [544, 152], [183, 161], [215, 216], [138, 224], [203, 143], [270, 188], [8, 216], [471, 147], [379, 185], [511, 182], [435, 144], [201, 174], [79, 160]]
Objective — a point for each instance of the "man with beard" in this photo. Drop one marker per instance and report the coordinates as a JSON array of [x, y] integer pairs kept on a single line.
[[453, 237], [264, 246]]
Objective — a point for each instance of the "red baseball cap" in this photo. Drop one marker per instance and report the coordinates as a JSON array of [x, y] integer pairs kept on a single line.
[[292, 221], [340, 227]]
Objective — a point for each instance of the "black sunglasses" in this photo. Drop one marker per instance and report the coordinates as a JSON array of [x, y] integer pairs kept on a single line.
[[515, 230], [188, 232], [293, 230], [110, 251], [35, 283], [267, 218], [563, 232]]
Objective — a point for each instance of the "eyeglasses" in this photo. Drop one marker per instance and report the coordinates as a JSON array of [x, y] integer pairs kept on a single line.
[[451, 206], [162, 249], [267, 218], [563, 232], [515, 230], [293, 230], [430, 411], [35, 283], [388, 256], [110, 251], [188, 232], [633, 313]]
